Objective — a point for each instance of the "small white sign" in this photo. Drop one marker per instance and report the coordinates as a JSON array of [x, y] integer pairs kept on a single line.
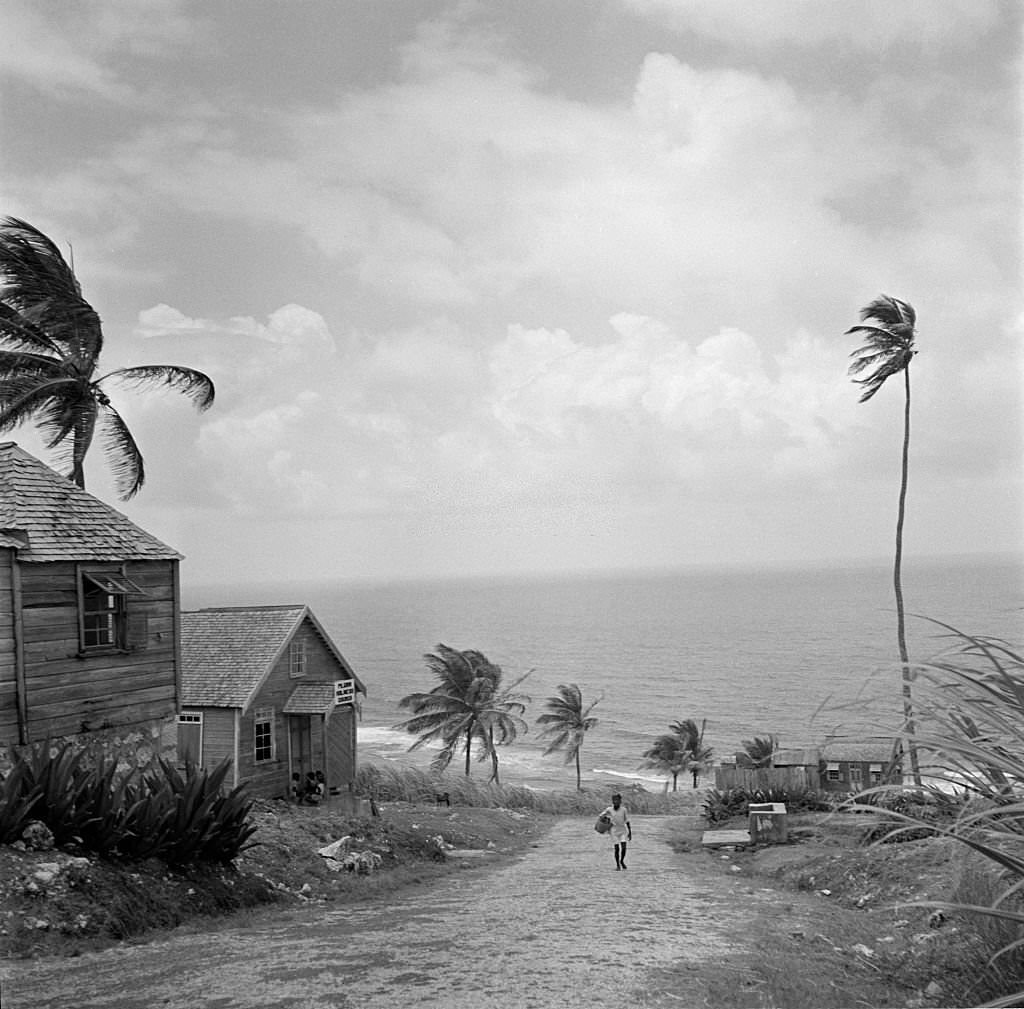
[[344, 691]]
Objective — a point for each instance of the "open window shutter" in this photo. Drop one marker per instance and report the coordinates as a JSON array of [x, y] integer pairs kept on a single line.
[[137, 630]]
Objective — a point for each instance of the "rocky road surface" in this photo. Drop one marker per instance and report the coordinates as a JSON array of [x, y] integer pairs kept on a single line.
[[555, 927]]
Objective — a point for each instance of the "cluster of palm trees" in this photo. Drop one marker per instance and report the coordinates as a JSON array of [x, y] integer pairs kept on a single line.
[[471, 708], [50, 344], [680, 749]]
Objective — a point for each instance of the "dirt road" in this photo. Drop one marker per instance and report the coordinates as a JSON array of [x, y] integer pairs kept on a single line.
[[556, 927]]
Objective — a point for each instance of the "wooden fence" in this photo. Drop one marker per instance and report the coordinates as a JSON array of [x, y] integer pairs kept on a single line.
[[759, 779]]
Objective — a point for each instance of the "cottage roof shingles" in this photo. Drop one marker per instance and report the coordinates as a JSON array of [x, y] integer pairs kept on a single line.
[[227, 652], [310, 699], [46, 517]]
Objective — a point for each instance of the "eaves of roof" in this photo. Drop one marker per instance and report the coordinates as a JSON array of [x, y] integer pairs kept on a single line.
[[46, 517]]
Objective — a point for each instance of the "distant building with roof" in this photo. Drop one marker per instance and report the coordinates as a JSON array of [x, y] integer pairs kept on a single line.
[[267, 687], [841, 764], [89, 610]]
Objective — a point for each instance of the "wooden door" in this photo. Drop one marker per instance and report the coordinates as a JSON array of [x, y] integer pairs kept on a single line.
[[300, 744]]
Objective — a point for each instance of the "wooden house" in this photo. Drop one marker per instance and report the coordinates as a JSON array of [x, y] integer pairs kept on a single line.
[[851, 765], [89, 607], [268, 688]]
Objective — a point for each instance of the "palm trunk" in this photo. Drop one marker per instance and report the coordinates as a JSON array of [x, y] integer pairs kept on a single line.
[[579, 780], [469, 743], [81, 440], [901, 632], [494, 756]]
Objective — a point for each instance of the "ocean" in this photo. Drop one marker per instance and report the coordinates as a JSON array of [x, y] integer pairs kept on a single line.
[[794, 653]]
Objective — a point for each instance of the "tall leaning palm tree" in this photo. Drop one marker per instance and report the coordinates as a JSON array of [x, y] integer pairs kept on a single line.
[[50, 344], [469, 705], [566, 722], [887, 350]]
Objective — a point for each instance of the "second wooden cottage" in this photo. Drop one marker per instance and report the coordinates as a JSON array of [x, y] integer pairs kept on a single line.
[[267, 687]]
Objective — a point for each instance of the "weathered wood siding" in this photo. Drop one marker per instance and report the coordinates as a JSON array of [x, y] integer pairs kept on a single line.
[[68, 692], [218, 735], [8, 686], [760, 779], [272, 778], [341, 748]]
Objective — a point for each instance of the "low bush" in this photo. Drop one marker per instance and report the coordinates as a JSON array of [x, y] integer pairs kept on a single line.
[[720, 806], [86, 802]]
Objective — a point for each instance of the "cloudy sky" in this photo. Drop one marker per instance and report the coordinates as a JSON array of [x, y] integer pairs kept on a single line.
[[536, 285]]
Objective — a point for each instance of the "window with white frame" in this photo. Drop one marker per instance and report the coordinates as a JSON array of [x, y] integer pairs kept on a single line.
[[190, 737], [833, 772], [263, 735], [297, 658], [876, 774]]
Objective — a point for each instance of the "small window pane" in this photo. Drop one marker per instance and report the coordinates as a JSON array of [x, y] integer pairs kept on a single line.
[[264, 735], [297, 658]]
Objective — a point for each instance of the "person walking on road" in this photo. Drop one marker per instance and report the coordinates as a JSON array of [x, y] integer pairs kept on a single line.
[[621, 831]]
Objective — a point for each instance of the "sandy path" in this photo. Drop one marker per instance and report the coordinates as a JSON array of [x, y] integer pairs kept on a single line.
[[556, 927]]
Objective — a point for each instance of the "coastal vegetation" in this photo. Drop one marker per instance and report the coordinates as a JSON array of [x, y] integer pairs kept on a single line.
[[566, 722], [470, 705], [680, 749], [50, 344], [970, 710], [77, 797], [759, 750], [887, 350]]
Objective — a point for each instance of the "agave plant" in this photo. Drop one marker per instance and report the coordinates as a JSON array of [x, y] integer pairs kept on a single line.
[[970, 736]]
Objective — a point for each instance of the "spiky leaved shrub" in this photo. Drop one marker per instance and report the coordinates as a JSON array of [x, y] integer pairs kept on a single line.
[[18, 801], [720, 806], [184, 818], [969, 709], [85, 800]]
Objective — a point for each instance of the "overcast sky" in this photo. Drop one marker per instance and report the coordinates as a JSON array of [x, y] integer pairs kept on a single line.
[[536, 285]]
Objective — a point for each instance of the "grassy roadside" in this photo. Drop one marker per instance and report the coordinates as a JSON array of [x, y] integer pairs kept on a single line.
[[59, 903], [872, 944]]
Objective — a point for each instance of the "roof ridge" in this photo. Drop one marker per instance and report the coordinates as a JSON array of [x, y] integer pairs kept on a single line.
[[248, 609]]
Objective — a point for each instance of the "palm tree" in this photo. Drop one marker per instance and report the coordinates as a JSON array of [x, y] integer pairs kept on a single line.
[[759, 750], [50, 344], [888, 350], [681, 748], [567, 722], [468, 705]]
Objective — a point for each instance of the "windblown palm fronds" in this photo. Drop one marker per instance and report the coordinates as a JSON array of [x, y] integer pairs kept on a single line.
[[469, 704], [566, 722], [50, 344]]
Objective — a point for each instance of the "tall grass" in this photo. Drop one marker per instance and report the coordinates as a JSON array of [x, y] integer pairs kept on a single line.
[[969, 705], [390, 784]]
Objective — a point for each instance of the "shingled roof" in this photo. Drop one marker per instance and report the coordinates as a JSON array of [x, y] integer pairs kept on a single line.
[[228, 652], [46, 517]]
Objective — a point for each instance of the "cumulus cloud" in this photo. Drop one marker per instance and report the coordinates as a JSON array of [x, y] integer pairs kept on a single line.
[[290, 326], [709, 398]]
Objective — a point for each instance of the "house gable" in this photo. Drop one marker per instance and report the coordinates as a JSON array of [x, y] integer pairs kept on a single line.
[[88, 615]]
